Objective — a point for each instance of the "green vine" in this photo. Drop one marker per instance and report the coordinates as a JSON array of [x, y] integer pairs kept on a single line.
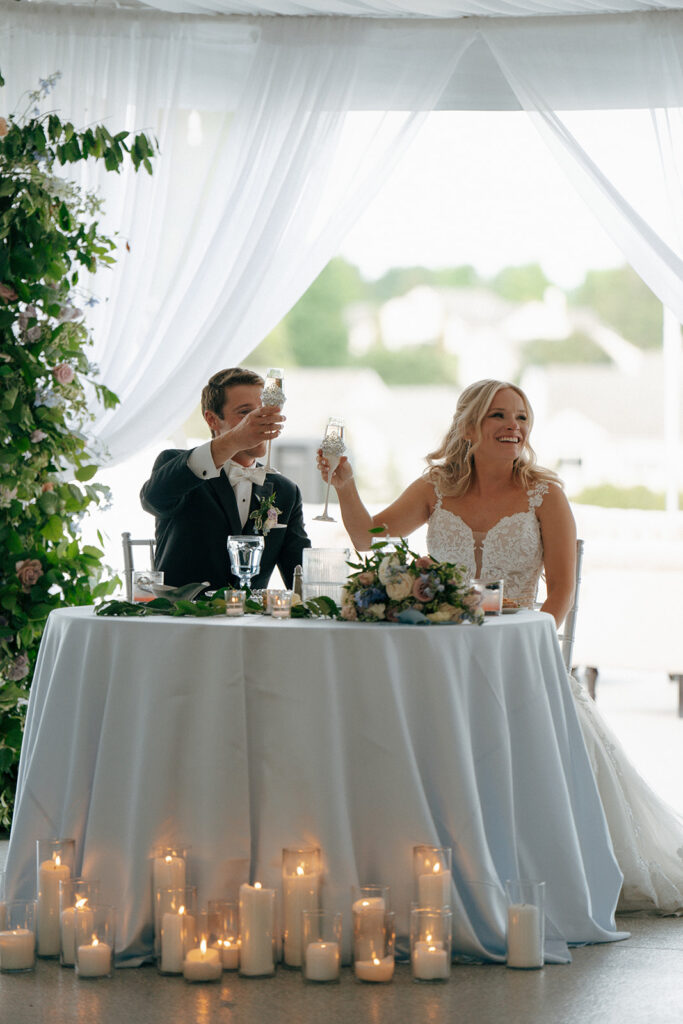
[[49, 236]]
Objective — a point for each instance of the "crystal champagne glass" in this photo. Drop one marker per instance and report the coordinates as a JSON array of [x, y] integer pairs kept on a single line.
[[273, 395], [332, 448], [245, 557]]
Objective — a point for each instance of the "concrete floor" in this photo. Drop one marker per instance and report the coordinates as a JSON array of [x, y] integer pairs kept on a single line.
[[639, 980]]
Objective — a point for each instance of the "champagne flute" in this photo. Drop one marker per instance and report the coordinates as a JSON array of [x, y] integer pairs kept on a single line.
[[273, 395], [332, 448]]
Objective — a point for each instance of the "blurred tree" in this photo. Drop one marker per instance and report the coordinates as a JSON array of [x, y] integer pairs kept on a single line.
[[315, 328], [414, 364], [400, 280], [611, 496], [577, 348], [521, 284], [625, 302]]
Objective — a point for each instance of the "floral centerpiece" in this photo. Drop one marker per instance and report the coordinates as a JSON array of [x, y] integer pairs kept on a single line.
[[393, 584]]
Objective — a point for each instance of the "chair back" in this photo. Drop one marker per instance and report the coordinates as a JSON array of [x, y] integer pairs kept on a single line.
[[128, 544], [568, 630]]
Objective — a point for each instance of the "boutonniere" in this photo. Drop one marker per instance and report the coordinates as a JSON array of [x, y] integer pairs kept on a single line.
[[265, 516]]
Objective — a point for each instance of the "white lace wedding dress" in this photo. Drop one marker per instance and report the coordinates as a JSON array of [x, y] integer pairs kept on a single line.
[[647, 834]]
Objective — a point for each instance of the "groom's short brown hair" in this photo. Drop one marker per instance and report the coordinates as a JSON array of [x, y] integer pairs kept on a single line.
[[213, 393]]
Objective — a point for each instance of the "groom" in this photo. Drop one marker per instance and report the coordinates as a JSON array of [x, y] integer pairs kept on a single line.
[[202, 496]]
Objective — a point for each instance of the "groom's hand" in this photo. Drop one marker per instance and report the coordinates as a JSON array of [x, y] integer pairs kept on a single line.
[[249, 435]]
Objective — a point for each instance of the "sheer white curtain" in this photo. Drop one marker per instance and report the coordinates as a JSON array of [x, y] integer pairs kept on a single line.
[[225, 239], [629, 169]]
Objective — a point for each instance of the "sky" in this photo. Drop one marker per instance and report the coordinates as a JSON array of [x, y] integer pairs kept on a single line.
[[480, 188]]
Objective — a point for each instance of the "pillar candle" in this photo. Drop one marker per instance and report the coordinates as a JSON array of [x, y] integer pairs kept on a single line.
[[430, 961], [202, 964], [17, 949], [256, 929], [169, 872], [173, 942], [524, 936], [299, 892], [69, 929], [322, 961], [434, 888], [50, 874], [368, 925], [94, 960], [376, 969]]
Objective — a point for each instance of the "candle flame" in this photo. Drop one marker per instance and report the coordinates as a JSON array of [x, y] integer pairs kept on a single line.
[[202, 946], [168, 858], [95, 941], [376, 960], [300, 870], [431, 949], [181, 910], [81, 903], [257, 885], [365, 903], [428, 937], [58, 860], [436, 868]]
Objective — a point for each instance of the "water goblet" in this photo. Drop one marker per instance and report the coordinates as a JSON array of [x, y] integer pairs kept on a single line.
[[273, 395], [332, 448], [245, 557]]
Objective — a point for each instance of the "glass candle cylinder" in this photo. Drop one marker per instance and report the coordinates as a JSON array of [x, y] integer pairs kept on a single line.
[[257, 930], [3, 909], [224, 931], [321, 937], [430, 943], [95, 936], [55, 863], [74, 894], [18, 937], [280, 603], [175, 917], [374, 937], [525, 924], [368, 903], [301, 869], [234, 603], [203, 961], [491, 595], [432, 873], [143, 582]]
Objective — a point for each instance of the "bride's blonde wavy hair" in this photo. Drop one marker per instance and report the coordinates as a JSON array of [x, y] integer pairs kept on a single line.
[[451, 466]]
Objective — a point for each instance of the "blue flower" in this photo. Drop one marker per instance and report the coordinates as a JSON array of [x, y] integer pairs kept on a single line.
[[371, 595]]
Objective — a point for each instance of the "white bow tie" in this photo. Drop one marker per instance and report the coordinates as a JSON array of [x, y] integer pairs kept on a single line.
[[256, 474]]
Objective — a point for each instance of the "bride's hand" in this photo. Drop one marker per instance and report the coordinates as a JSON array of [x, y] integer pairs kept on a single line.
[[342, 474]]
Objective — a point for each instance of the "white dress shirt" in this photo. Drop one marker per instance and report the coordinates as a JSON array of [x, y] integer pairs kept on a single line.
[[202, 465]]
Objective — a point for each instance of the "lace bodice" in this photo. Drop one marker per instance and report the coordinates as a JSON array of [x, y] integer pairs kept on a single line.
[[512, 549]]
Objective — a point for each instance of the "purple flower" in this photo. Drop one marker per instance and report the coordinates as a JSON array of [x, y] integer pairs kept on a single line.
[[18, 669]]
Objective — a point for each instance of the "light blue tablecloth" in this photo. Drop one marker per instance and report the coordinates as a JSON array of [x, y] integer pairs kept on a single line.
[[240, 737]]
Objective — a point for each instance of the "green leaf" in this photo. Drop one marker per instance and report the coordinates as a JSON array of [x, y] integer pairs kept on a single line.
[[85, 473], [53, 529]]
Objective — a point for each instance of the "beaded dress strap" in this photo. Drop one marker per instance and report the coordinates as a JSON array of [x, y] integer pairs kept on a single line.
[[537, 494], [439, 499]]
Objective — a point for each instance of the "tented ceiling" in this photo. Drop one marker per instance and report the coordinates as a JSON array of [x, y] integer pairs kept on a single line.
[[392, 8]]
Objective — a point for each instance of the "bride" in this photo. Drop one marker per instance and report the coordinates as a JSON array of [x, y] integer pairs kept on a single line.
[[491, 508]]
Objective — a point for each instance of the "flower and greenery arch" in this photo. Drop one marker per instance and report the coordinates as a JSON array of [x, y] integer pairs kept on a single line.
[[49, 241]]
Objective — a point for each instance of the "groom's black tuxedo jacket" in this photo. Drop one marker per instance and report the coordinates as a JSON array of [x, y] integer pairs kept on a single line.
[[194, 518]]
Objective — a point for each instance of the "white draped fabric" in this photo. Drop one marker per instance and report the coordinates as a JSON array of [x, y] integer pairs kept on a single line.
[[256, 186]]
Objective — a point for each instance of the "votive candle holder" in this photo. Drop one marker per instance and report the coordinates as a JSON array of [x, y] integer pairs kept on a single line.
[[321, 943], [175, 921], [432, 874], [18, 937], [75, 894], [430, 943], [301, 873], [95, 939], [525, 923], [224, 931]]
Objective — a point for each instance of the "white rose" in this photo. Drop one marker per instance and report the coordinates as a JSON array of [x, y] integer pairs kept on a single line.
[[376, 610], [399, 586], [385, 568]]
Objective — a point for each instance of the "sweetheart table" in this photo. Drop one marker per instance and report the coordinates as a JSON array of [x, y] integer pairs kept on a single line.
[[238, 737]]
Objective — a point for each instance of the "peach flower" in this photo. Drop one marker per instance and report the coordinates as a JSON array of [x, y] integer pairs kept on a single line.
[[63, 373], [29, 571]]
